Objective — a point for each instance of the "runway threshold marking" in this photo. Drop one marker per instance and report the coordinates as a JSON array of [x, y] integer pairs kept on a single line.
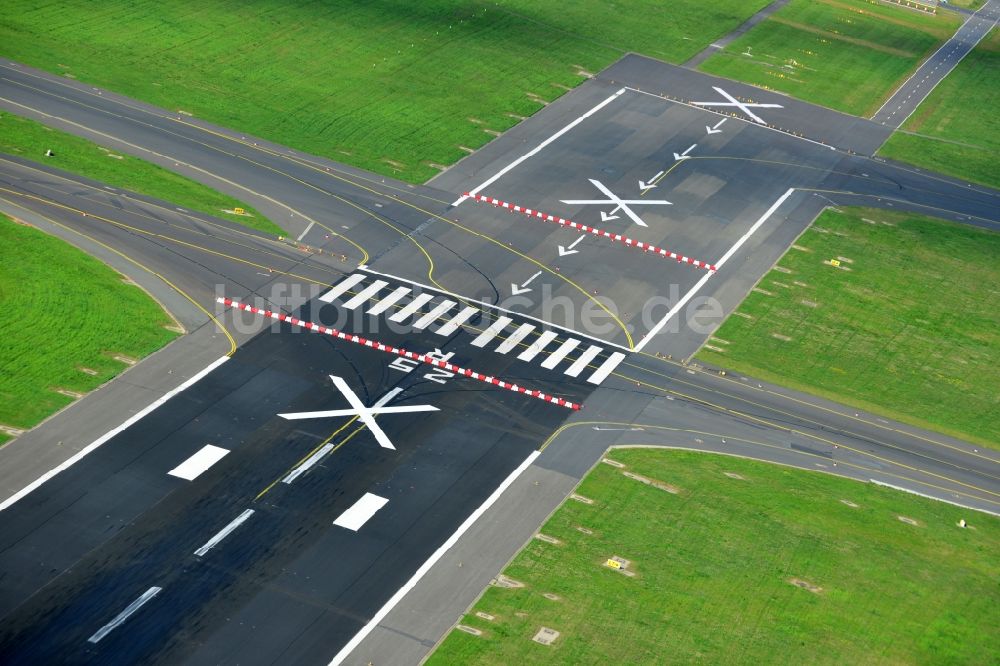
[[645, 247], [537, 149], [193, 467], [423, 358], [360, 512], [143, 599]]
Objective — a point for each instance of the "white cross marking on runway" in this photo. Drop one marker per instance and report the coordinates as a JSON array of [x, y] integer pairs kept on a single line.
[[620, 204], [742, 106], [365, 414]]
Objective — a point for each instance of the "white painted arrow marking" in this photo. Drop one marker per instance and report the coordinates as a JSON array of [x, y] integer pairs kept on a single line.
[[620, 204], [605, 217], [365, 414], [715, 129], [524, 288], [644, 186], [565, 251], [742, 106], [684, 155]]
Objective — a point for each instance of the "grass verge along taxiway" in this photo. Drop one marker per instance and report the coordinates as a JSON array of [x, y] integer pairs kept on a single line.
[[26, 138], [70, 324], [956, 130], [741, 562], [400, 88], [848, 55], [891, 312]]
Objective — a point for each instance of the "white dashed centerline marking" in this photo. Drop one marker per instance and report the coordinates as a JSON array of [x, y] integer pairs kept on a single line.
[[194, 466], [125, 614], [223, 533], [360, 512]]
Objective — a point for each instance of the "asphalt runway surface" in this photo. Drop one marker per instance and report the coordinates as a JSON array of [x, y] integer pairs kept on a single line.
[[932, 71], [287, 583]]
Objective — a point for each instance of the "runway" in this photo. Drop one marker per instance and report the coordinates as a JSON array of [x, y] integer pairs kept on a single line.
[[208, 582]]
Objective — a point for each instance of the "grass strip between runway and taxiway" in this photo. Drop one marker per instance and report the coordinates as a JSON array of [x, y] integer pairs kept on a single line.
[[738, 561], [67, 316], [907, 325], [848, 55], [956, 130], [29, 139], [400, 88]]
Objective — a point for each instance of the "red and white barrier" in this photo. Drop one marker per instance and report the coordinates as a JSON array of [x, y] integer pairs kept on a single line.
[[423, 358], [591, 230]]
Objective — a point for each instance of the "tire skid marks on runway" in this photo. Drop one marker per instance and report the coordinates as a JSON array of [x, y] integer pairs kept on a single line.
[[416, 309]]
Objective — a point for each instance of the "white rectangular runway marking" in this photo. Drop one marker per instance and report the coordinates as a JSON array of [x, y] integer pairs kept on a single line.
[[433, 315], [125, 614], [365, 294], [93, 446], [537, 346], [610, 363], [491, 332], [431, 561], [411, 307], [705, 278], [582, 362], [540, 146], [193, 467], [388, 301], [560, 353], [341, 287], [515, 338], [362, 510], [456, 321], [224, 532]]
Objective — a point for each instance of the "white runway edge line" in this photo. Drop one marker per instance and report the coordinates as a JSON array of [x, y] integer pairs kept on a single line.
[[937, 499], [718, 264], [125, 614], [193, 467], [223, 533], [537, 149], [360, 512], [104, 438], [431, 561]]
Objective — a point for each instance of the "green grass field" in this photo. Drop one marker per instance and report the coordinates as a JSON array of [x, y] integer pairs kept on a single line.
[[48, 341], [714, 566], [845, 54], [395, 87], [957, 129], [908, 325], [27, 138]]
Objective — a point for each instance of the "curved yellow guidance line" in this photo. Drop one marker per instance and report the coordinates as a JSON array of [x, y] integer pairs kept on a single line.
[[219, 324]]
